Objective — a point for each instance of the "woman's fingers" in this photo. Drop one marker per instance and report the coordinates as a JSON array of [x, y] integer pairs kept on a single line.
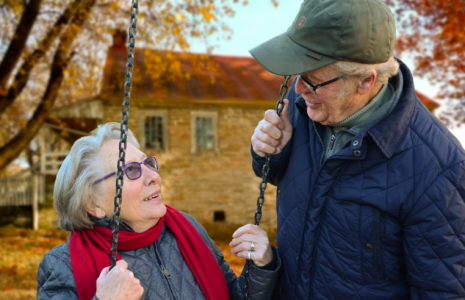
[[258, 239], [241, 244], [249, 228], [118, 283]]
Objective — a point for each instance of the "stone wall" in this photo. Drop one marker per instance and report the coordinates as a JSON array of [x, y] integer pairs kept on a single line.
[[203, 182]]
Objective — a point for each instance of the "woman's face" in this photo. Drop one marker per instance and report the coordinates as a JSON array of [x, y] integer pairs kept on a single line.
[[142, 205]]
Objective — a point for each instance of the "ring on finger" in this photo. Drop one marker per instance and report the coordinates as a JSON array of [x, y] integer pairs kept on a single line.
[[248, 254], [252, 246]]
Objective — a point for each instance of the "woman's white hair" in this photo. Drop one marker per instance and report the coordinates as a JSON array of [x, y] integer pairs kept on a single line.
[[74, 191], [358, 72]]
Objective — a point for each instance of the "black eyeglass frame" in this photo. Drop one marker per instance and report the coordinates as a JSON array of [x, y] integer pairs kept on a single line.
[[131, 163], [314, 87]]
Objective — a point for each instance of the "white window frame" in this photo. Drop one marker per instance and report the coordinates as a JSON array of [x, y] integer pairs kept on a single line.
[[154, 113], [205, 114]]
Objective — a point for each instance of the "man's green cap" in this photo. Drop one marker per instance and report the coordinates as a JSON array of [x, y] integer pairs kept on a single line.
[[326, 31]]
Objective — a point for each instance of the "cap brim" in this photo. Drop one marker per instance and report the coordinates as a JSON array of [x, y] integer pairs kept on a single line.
[[282, 56]]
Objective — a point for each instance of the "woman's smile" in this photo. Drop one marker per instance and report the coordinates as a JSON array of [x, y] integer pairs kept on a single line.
[[156, 197]]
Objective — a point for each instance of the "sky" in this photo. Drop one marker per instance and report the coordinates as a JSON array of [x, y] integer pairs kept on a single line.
[[260, 21]]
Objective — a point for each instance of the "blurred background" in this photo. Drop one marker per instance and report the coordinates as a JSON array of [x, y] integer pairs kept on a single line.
[[196, 99]]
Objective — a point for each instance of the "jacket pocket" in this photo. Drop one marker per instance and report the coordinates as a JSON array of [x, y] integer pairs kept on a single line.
[[374, 271]]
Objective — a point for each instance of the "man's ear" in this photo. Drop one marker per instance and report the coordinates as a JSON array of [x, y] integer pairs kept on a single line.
[[367, 83]]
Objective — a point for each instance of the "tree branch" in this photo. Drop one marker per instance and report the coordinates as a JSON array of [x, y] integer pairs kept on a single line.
[[18, 42], [13, 148], [22, 76]]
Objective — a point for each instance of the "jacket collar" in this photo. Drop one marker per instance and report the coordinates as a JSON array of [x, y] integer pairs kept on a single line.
[[388, 132]]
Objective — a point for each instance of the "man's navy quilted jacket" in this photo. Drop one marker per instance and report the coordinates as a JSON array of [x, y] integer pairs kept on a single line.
[[381, 219]]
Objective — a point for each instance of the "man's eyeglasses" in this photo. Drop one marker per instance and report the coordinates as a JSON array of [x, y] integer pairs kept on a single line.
[[314, 87], [133, 170]]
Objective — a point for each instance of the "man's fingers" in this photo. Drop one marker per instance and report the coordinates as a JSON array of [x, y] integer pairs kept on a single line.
[[266, 139], [285, 114], [270, 129], [271, 116], [261, 148]]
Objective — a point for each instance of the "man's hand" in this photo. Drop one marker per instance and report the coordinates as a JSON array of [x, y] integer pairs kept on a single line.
[[273, 132], [119, 283]]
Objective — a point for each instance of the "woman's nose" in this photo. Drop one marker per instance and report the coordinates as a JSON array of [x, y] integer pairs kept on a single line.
[[150, 176]]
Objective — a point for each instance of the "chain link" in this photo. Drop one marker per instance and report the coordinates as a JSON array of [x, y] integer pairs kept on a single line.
[[266, 169], [124, 128]]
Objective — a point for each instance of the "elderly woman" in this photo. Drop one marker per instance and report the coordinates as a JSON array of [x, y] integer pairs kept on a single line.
[[164, 254]]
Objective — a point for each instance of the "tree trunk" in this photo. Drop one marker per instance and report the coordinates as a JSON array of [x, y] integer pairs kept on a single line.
[[17, 44], [22, 75], [13, 148]]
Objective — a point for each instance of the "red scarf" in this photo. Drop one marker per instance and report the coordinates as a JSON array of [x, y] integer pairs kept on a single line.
[[89, 251]]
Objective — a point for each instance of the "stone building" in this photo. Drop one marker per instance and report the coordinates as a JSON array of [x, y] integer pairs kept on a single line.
[[199, 128]]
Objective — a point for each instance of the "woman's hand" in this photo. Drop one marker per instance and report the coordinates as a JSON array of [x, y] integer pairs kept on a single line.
[[119, 283], [262, 254]]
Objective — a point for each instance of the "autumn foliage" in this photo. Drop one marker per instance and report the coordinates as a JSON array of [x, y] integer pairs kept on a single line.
[[434, 33], [52, 52]]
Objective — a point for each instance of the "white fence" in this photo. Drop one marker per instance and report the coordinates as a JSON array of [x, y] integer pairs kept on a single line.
[[23, 189]]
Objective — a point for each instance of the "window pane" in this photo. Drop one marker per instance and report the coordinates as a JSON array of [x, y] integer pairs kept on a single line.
[[154, 133], [204, 133]]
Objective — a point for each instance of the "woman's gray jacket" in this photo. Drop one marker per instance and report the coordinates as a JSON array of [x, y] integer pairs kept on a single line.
[[161, 269]]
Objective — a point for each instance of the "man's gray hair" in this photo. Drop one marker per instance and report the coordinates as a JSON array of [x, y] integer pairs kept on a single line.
[[74, 191], [358, 72]]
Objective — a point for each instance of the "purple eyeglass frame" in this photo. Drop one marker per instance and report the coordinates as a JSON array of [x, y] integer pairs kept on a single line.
[[131, 163]]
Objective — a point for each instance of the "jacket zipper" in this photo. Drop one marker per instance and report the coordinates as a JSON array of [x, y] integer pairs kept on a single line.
[[308, 205], [165, 272], [322, 144], [331, 143]]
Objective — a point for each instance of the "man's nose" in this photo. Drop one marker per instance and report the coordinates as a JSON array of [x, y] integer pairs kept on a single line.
[[301, 87]]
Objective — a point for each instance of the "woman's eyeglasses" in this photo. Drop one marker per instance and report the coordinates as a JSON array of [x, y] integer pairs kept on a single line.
[[314, 87], [133, 170]]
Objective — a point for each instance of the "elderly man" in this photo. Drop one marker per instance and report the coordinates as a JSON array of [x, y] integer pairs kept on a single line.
[[371, 187]]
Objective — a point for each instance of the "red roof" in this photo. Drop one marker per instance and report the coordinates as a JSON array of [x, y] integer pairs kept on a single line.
[[428, 102], [234, 78]]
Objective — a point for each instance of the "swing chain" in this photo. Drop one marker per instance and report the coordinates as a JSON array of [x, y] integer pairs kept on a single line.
[[266, 169], [124, 128]]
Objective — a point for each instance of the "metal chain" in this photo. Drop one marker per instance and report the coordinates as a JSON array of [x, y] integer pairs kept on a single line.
[[266, 169], [124, 127]]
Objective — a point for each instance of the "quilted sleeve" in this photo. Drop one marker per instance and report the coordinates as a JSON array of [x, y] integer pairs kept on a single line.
[[434, 238], [278, 164], [55, 279]]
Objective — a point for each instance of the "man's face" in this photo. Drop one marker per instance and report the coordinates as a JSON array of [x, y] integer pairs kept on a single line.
[[326, 106]]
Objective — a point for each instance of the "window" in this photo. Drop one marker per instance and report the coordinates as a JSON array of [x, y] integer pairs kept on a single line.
[[204, 131], [154, 130], [219, 216]]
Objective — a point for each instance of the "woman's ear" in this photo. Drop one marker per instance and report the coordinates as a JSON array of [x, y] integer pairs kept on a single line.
[[367, 83], [96, 211]]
